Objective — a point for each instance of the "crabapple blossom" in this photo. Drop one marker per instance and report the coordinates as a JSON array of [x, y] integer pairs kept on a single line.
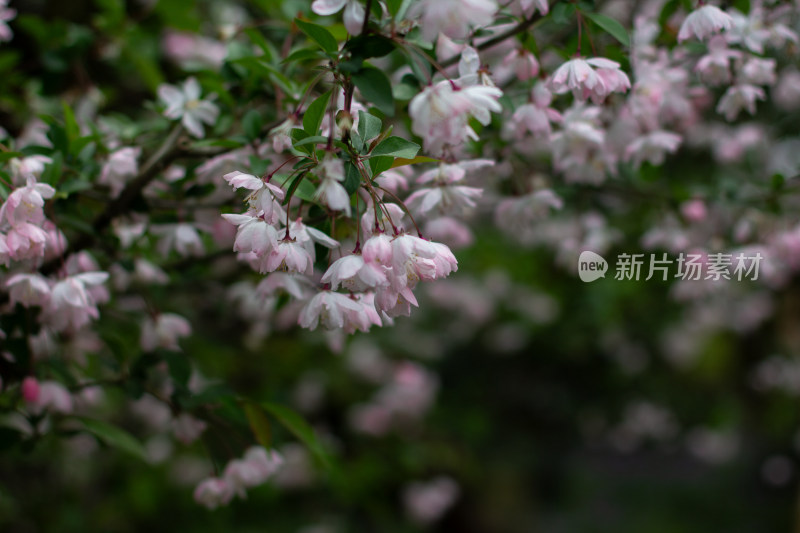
[[331, 192], [52, 397], [739, 97], [28, 289], [6, 14], [265, 197], [353, 12], [72, 304], [187, 428], [185, 104], [355, 274], [714, 67], [120, 167], [578, 76], [704, 22], [181, 237], [453, 18], [213, 492], [653, 147], [163, 331]]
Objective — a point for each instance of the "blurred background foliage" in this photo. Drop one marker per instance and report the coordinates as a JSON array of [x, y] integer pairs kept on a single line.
[[558, 413]]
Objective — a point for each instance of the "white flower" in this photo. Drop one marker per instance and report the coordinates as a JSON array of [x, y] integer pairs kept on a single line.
[[704, 22], [454, 18], [164, 332], [185, 104], [120, 167], [652, 147], [353, 12], [440, 113], [28, 289], [331, 192], [739, 97], [578, 76], [213, 492], [331, 309], [265, 197], [355, 274]]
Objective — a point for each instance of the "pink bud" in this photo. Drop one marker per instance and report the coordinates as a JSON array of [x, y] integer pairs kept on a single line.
[[30, 389]]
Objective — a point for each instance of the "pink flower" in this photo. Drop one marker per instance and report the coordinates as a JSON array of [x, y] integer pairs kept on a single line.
[[522, 63], [28, 289], [24, 204], [331, 192], [704, 22], [426, 502], [527, 8], [652, 147], [714, 67], [332, 310], [265, 197], [253, 234], [739, 97], [353, 12], [163, 331], [120, 167], [453, 18], [181, 237], [440, 113], [6, 14], [415, 259], [694, 210], [213, 492], [578, 76], [290, 256], [187, 428], [71, 304], [53, 397], [355, 274]]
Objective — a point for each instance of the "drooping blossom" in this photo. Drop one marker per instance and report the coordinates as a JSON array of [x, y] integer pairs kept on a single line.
[[163, 331], [578, 76], [120, 167], [331, 191], [453, 18], [739, 97], [704, 22]]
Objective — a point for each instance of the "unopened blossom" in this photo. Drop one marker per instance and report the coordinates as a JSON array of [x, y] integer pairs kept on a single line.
[[454, 18], [6, 14], [30, 389], [353, 12], [694, 210], [265, 197], [578, 76], [185, 104], [440, 113], [331, 191], [704, 22], [213, 492], [120, 167], [28, 289], [163, 331], [653, 147], [739, 97]]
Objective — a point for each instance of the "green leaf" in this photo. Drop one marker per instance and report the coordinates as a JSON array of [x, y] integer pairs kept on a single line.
[[5, 156], [300, 428], [303, 54], [314, 139], [401, 162], [298, 135], [312, 118], [319, 35], [259, 423], [258, 39], [369, 126], [375, 87], [352, 178], [252, 123], [114, 437], [71, 126], [396, 147], [380, 164], [611, 26]]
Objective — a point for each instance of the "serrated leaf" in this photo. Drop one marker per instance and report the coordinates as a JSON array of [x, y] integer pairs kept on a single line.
[[319, 35], [369, 126], [396, 147], [300, 429], [376, 88], [611, 26], [312, 118], [259, 424], [114, 436]]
